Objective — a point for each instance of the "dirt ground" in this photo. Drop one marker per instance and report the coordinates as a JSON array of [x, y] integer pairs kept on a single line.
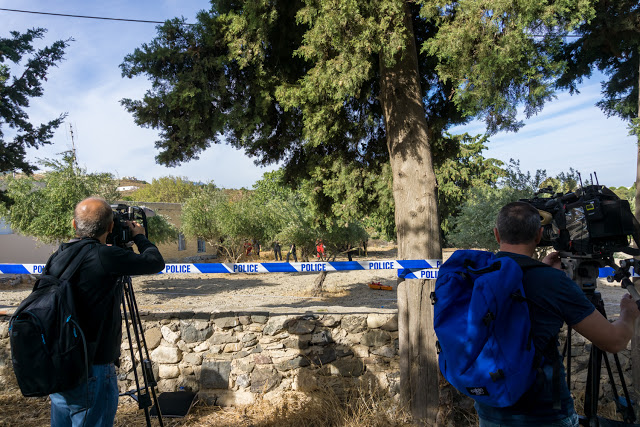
[[344, 292], [273, 292]]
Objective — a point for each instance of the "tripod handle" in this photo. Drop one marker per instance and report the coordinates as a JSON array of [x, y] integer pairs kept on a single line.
[[628, 285]]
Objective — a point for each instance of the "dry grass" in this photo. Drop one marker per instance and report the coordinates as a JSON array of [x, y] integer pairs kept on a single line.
[[359, 404]]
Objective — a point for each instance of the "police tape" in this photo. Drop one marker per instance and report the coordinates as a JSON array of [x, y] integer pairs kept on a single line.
[[264, 267], [407, 269]]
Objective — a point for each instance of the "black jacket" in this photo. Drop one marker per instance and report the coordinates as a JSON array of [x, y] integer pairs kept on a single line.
[[97, 294]]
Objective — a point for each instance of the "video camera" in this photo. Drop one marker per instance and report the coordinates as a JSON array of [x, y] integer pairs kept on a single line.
[[121, 234], [591, 221]]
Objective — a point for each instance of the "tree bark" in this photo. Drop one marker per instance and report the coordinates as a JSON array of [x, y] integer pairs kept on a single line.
[[318, 283], [417, 223]]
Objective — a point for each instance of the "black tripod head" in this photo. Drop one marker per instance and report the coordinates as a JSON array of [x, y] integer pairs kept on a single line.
[[583, 269], [622, 273]]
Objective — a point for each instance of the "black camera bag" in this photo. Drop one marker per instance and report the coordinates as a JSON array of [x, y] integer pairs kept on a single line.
[[48, 348]]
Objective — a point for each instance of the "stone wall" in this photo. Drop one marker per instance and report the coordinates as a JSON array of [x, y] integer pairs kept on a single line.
[[580, 349], [233, 358]]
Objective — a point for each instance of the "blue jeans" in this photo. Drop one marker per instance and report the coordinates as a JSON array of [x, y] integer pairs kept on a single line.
[[97, 401], [570, 421]]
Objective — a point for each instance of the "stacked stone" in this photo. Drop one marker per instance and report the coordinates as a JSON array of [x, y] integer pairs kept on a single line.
[[233, 358]]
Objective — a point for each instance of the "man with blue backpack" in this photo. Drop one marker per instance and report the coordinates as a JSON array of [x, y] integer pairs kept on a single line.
[[498, 317]]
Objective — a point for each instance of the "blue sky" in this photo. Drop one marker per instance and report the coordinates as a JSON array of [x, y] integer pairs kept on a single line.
[[569, 132]]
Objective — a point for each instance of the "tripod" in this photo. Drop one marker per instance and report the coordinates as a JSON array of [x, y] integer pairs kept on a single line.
[[585, 271], [132, 320]]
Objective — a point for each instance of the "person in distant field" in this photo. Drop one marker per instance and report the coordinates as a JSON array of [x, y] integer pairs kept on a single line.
[[554, 300], [97, 297], [247, 247], [320, 250], [256, 247], [292, 252], [277, 252]]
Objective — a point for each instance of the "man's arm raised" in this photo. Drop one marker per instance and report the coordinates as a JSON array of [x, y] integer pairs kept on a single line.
[[611, 337]]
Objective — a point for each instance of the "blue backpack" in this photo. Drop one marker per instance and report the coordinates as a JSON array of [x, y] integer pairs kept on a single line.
[[481, 319]]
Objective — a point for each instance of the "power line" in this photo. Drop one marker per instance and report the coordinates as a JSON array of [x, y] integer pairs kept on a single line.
[[86, 17], [157, 22], [162, 22]]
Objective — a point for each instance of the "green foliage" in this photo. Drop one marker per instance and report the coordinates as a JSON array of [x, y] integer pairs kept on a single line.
[[634, 127], [341, 239], [44, 209], [277, 205], [564, 182], [473, 227], [300, 234], [16, 92], [501, 54], [269, 212], [298, 82], [340, 193], [199, 216], [168, 189], [459, 167], [609, 42], [161, 230], [223, 222], [290, 217], [267, 76]]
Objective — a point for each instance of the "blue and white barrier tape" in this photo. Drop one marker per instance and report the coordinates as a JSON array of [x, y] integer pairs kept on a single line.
[[407, 269], [423, 273], [263, 267], [432, 273]]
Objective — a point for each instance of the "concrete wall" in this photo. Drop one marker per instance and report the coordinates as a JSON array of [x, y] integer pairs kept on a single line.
[[17, 249]]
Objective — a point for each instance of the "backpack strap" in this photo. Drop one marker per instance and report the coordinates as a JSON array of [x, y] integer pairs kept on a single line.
[[548, 351], [77, 260], [73, 260]]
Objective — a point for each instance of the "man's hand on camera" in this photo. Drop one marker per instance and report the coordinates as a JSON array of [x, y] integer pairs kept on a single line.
[[135, 228], [553, 259]]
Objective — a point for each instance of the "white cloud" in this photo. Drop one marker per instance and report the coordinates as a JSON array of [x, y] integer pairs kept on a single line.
[[569, 132]]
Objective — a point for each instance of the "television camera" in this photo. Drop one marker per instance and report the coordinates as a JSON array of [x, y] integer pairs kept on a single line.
[[122, 214]]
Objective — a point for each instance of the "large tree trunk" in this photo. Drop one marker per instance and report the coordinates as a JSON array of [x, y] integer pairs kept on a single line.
[[418, 226]]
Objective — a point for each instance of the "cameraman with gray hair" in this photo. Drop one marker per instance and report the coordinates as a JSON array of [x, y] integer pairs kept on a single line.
[[555, 300], [97, 297]]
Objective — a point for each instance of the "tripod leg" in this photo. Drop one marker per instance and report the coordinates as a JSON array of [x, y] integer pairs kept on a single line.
[[144, 398], [126, 308], [147, 370], [626, 410], [567, 352], [593, 378], [592, 389]]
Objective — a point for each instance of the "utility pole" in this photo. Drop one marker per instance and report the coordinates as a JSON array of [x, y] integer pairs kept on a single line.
[[73, 146]]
